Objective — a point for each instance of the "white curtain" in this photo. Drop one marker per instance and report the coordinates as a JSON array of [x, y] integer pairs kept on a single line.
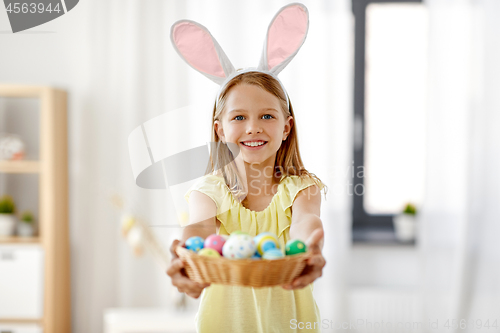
[[460, 252], [132, 74]]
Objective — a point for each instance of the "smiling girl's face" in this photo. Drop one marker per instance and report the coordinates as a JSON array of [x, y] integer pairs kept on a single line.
[[253, 116]]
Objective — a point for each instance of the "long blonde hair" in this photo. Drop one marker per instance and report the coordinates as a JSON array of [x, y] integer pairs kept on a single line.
[[288, 161]]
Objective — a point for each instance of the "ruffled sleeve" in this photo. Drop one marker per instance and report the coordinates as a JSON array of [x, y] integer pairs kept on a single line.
[[291, 187], [212, 187], [207, 185], [230, 213]]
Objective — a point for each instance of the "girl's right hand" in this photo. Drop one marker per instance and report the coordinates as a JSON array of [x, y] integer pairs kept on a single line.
[[179, 278]]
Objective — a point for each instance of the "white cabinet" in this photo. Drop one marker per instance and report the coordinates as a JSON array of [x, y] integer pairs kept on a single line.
[[21, 282]]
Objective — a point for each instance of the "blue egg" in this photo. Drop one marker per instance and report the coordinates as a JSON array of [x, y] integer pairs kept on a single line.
[[267, 245], [273, 254], [194, 243]]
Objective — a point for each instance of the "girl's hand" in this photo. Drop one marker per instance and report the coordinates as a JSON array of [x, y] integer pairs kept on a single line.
[[315, 264], [178, 275]]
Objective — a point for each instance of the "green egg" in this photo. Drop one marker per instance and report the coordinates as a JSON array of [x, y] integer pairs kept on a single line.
[[295, 246]]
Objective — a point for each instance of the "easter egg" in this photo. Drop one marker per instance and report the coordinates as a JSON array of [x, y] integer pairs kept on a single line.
[[273, 254], [214, 242], [295, 246], [209, 252], [265, 241], [194, 243], [238, 246], [262, 234]]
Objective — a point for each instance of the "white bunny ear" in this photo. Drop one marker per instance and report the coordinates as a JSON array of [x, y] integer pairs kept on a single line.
[[285, 35], [200, 50]]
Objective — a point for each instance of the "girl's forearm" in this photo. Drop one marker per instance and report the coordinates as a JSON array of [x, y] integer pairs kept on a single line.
[[303, 228]]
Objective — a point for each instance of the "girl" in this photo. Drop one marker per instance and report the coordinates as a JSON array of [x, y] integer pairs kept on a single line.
[[255, 181], [282, 197]]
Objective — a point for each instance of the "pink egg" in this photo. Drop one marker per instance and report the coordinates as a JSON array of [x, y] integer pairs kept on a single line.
[[215, 242]]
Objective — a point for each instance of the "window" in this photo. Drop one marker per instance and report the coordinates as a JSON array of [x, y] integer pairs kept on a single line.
[[389, 108]]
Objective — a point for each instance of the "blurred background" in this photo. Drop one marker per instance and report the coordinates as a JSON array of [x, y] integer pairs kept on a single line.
[[397, 111]]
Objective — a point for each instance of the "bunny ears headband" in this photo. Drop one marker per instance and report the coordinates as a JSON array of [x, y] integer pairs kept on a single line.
[[285, 35]]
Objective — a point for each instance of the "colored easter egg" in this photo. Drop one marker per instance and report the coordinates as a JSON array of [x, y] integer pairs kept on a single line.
[[209, 252], [262, 234], [295, 246], [265, 234], [238, 246], [194, 243], [215, 242], [266, 241], [273, 254]]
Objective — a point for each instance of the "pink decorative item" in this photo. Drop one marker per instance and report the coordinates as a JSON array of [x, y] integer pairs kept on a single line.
[[215, 242]]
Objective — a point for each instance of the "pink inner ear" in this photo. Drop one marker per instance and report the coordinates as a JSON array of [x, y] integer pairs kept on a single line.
[[286, 35], [197, 47]]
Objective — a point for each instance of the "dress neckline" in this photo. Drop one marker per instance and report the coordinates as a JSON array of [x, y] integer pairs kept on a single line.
[[245, 208]]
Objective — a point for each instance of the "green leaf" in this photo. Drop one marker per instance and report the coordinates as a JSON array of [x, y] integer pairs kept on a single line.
[[7, 205], [27, 217], [410, 209]]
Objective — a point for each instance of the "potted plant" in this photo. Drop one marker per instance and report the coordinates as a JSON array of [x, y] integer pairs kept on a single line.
[[7, 217], [405, 223], [26, 226]]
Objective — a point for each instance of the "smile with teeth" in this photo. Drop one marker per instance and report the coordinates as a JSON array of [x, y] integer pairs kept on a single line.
[[254, 143]]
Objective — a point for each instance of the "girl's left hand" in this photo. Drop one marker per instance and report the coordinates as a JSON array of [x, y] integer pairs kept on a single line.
[[315, 264]]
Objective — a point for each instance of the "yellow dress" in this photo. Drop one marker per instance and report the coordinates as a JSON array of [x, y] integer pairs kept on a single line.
[[255, 310]]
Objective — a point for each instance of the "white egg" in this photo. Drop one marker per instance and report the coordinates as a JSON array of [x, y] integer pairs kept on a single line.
[[239, 246]]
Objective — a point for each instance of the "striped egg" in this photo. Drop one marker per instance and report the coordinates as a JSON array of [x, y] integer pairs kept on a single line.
[[266, 241], [273, 254]]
